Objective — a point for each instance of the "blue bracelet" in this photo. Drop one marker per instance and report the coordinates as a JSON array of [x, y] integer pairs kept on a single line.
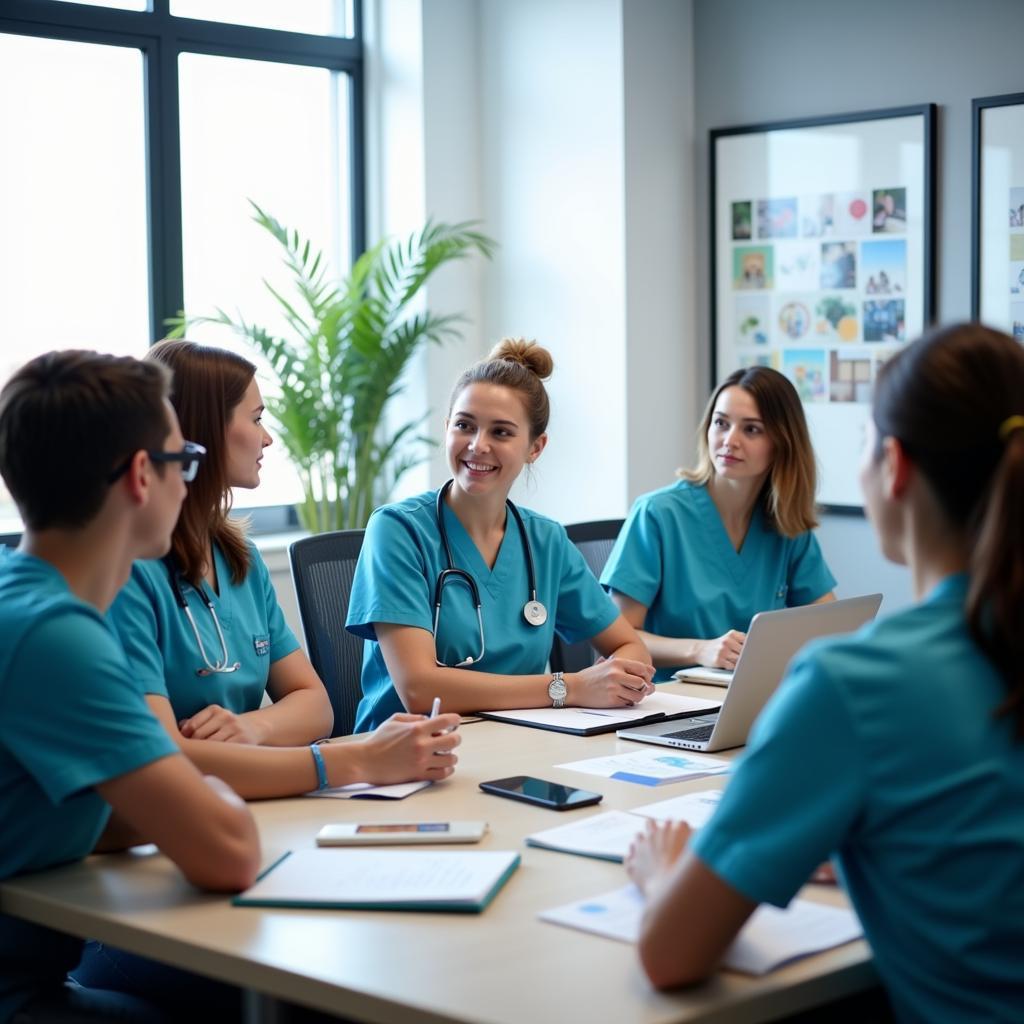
[[321, 768]]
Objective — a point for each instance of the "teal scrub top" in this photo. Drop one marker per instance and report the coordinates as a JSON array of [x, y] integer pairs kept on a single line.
[[71, 717], [162, 649], [674, 556], [401, 557], [884, 750]]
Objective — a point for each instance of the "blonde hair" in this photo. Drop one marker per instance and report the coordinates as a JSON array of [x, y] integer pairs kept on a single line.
[[520, 365], [788, 494]]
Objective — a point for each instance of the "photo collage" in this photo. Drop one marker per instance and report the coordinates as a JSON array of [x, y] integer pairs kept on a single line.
[[1017, 263], [819, 287]]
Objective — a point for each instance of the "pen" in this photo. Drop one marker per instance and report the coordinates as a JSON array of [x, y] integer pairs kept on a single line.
[[435, 708]]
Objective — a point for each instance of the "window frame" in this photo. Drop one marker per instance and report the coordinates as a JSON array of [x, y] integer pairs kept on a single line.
[[162, 37]]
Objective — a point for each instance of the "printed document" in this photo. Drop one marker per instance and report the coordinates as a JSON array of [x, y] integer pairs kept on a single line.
[[367, 791], [650, 767], [608, 836], [771, 937]]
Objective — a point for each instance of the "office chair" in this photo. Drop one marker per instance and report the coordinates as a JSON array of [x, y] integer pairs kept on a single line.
[[595, 541], [322, 570]]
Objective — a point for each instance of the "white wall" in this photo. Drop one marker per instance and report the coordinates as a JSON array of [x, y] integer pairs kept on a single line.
[[664, 391], [552, 161], [566, 127]]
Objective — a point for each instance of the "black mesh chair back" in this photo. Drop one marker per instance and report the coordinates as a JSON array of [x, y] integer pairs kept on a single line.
[[322, 572], [595, 541]]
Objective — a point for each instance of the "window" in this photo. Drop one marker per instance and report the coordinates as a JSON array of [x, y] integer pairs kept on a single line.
[[134, 134]]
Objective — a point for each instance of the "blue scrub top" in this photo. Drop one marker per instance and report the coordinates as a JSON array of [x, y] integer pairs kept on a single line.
[[71, 717], [162, 649], [674, 555], [401, 556], [884, 749]]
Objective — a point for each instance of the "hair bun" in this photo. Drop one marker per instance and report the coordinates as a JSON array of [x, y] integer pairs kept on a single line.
[[528, 354]]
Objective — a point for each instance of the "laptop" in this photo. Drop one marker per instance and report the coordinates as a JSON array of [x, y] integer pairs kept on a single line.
[[772, 640]]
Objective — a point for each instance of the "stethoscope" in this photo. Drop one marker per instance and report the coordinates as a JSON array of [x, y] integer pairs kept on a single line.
[[533, 611], [209, 668]]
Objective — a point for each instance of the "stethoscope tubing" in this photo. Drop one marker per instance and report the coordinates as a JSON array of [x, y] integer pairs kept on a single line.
[[534, 612], [209, 668]]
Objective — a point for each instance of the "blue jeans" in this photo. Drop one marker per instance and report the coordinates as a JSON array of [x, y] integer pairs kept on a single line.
[[178, 992], [72, 1004]]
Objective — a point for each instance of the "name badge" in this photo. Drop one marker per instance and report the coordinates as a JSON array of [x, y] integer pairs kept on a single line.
[[261, 644]]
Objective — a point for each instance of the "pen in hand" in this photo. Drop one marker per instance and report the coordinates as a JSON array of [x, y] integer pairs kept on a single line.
[[435, 710]]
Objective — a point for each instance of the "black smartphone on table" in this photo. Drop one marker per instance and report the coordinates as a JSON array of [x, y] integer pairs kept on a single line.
[[544, 794]]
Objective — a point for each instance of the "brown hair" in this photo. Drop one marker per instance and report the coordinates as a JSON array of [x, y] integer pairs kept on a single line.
[[208, 384], [788, 495], [67, 419], [520, 365], [952, 400]]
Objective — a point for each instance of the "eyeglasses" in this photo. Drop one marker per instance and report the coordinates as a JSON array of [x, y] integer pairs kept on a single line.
[[190, 457]]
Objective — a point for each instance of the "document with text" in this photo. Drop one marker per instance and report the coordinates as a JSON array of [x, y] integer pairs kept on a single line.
[[608, 836], [771, 938]]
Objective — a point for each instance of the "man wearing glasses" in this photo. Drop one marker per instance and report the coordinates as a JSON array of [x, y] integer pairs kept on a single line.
[[92, 454]]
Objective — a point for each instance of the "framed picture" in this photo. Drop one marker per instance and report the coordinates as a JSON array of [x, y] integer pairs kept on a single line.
[[822, 263], [997, 208]]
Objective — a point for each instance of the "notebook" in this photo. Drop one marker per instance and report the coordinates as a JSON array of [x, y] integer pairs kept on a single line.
[[773, 639], [705, 675], [658, 707], [354, 879]]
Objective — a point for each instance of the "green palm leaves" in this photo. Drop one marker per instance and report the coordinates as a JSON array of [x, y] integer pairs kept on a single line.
[[342, 362]]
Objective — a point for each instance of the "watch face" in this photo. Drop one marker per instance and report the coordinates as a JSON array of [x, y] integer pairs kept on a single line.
[[557, 689]]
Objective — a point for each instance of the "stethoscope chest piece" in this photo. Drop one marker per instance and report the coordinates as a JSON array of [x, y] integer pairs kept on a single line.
[[535, 613]]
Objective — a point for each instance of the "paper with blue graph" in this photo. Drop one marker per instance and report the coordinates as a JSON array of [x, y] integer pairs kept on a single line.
[[771, 937], [650, 767]]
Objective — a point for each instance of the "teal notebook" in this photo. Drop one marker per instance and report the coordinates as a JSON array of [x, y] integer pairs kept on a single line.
[[352, 879]]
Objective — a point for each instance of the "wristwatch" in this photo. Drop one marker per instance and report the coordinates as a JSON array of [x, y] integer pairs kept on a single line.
[[557, 690]]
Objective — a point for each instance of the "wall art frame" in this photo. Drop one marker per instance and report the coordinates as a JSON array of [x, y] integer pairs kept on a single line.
[[823, 263], [997, 212]]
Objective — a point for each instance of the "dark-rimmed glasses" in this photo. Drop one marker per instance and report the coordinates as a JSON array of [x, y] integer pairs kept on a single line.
[[190, 457]]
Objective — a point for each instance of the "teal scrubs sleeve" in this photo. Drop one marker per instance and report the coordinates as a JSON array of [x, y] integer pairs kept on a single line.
[[636, 563], [777, 821], [162, 648], [809, 577], [674, 556], [391, 578], [584, 609], [71, 718], [394, 582], [140, 617]]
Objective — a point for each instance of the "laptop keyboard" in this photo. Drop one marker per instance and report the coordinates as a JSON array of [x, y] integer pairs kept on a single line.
[[697, 735]]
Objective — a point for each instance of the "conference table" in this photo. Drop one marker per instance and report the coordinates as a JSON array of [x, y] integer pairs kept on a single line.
[[503, 966]]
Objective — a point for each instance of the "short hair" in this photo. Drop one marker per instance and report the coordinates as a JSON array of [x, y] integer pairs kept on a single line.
[[520, 365], [67, 419], [209, 383], [788, 496]]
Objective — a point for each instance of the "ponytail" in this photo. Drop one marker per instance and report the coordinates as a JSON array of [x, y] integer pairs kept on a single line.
[[955, 401], [995, 597]]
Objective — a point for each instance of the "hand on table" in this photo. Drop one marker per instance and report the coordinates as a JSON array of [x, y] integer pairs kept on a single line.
[[653, 853], [721, 652], [217, 723], [611, 683]]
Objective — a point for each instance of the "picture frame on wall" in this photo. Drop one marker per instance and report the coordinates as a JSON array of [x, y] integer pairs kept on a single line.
[[823, 263], [997, 212]]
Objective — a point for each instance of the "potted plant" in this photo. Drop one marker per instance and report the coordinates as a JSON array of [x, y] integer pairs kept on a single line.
[[343, 360]]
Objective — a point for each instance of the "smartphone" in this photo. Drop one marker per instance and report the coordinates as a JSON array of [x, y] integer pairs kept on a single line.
[[544, 794]]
